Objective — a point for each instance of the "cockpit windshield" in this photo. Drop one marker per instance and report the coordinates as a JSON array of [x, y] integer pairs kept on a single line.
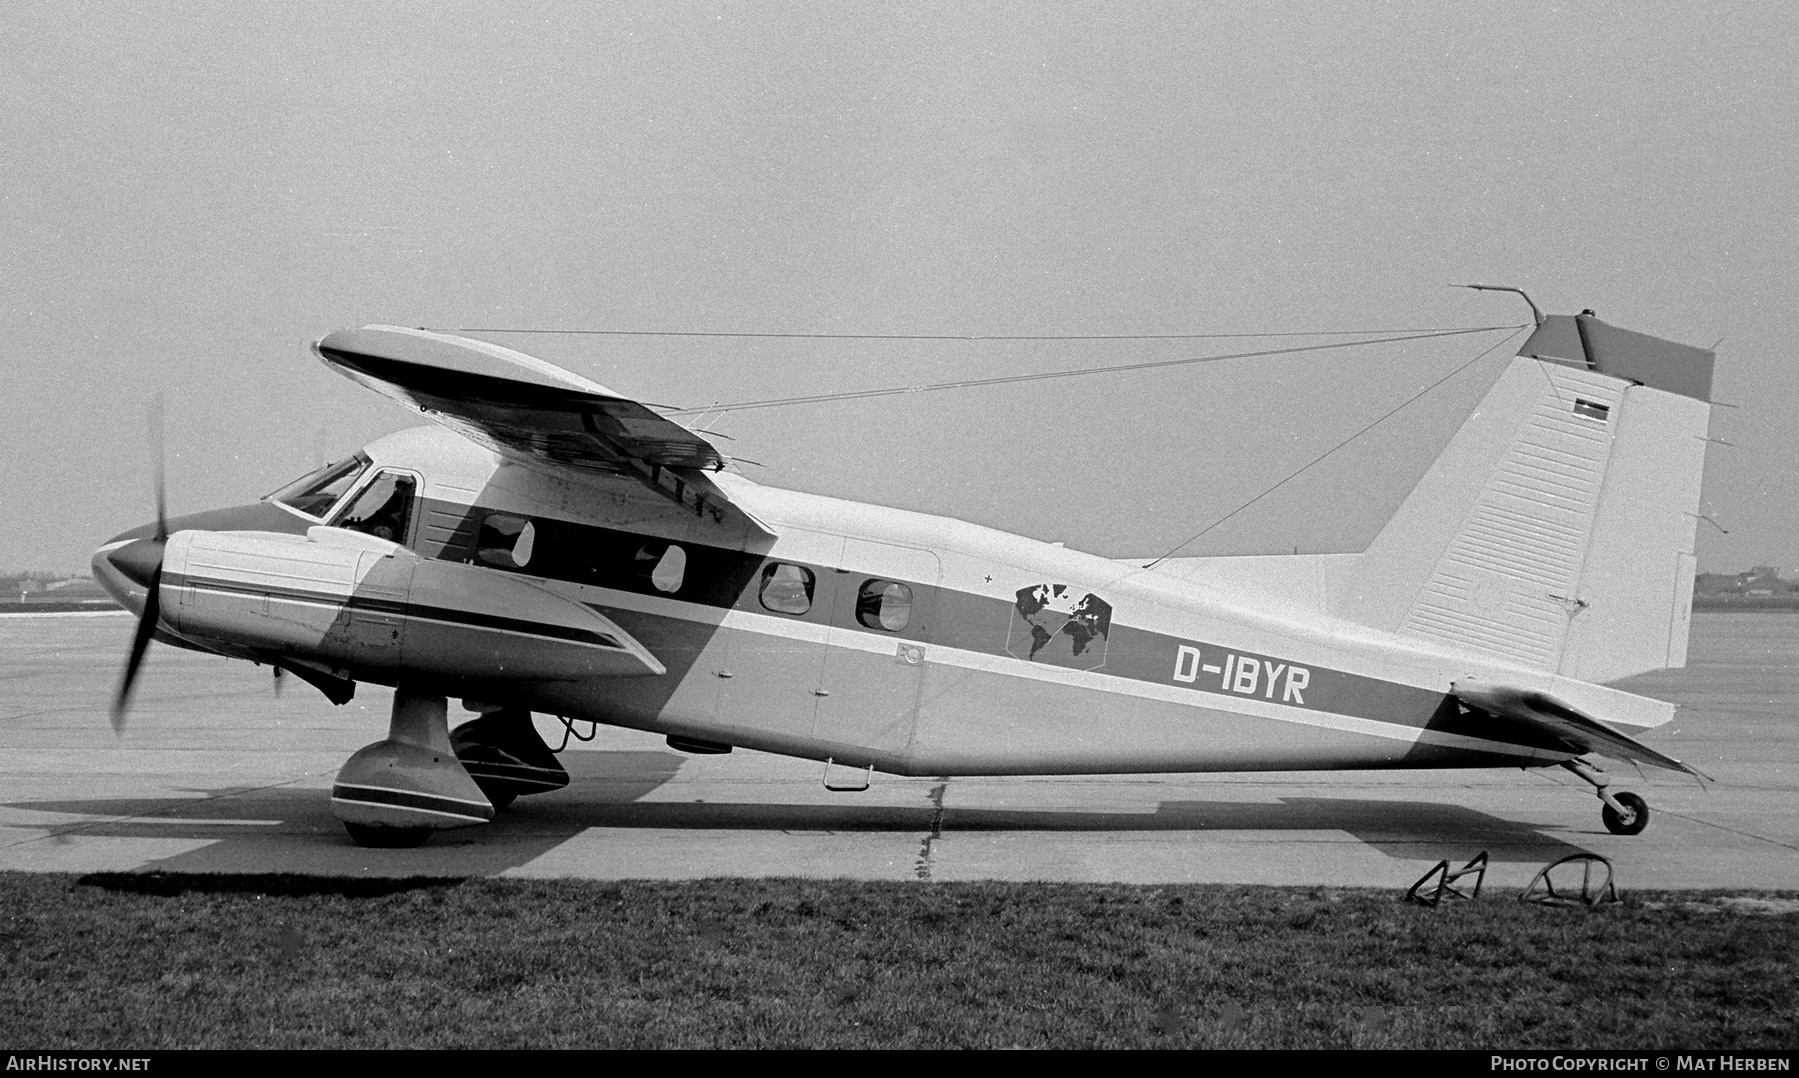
[[317, 491]]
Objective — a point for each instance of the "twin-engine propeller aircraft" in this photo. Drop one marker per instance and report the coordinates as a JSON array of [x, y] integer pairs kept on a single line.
[[551, 546]]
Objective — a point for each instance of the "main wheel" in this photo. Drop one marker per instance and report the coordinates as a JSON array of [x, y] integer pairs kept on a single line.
[[387, 838], [1631, 821]]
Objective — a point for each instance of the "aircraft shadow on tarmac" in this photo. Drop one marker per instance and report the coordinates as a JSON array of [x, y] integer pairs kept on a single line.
[[292, 830]]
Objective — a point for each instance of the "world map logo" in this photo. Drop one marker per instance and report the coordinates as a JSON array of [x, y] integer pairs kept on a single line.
[[1055, 624]]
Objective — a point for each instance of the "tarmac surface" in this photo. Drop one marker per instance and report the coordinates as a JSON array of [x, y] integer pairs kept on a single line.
[[215, 773]]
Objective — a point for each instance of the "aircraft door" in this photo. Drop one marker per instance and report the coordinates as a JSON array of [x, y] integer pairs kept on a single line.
[[776, 639], [878, 647]]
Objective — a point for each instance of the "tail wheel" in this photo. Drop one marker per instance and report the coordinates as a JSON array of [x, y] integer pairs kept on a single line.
[[1632, 820]]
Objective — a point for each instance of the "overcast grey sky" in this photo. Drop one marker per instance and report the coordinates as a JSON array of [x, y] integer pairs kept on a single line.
[[195, 191]]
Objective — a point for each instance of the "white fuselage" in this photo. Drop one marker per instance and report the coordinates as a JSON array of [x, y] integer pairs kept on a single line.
[[1009, 656]]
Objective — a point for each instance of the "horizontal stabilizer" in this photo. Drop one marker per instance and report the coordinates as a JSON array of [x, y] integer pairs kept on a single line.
[[1576, 730]]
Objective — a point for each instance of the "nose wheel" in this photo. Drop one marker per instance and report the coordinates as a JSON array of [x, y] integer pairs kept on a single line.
[[1623, 813]]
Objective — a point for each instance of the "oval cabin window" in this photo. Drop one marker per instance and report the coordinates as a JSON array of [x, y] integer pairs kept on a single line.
[[884, 604], [787, 589]]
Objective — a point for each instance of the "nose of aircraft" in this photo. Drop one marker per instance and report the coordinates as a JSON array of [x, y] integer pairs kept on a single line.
[[136, 559], [125, 564]]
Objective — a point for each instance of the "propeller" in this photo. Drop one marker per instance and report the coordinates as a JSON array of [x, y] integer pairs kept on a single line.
[[146, 625]]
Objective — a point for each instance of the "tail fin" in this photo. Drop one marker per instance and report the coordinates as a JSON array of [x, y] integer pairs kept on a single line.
[[1556, 529]]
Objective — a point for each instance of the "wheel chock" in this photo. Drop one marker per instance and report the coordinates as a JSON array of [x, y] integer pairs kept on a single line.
[[1446, 882], [1593, 891]]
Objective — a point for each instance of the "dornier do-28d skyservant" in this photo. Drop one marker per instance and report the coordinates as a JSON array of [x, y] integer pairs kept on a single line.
[[550, 546]]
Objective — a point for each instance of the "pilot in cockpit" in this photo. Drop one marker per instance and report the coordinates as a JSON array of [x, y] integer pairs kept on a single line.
[[381, 509]]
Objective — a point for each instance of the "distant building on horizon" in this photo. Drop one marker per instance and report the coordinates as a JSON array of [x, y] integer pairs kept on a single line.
[[1764, 584]]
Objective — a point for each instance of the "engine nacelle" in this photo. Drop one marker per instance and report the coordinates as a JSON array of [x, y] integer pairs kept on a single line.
[[376, 609]]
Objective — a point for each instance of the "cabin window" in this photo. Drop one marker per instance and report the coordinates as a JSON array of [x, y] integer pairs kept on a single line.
[[382, 509], [884, 604], [787, 589], [506, 541], [318, 490], [664, 565]]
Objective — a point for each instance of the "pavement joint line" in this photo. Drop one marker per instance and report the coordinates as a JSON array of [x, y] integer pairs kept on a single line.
[[922, 868], [88, 825], [1730, 830], [1556, 780]]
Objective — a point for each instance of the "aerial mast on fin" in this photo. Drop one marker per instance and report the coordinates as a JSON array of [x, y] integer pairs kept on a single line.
[[1535, 314]]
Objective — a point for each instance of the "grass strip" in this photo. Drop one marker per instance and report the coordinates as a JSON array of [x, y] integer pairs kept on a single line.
[[164, 961]]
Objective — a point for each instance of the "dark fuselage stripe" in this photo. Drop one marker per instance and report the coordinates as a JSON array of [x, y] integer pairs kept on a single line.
[[727, 579], [394, 608]]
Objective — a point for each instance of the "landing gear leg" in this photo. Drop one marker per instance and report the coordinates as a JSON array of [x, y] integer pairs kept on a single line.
[[1624, 813], [394, 793]]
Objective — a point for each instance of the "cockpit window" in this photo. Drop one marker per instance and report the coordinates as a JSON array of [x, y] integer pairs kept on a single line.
[[382, 509], [318, 490]]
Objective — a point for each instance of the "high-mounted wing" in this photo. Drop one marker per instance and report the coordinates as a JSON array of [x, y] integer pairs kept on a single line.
[[520, 406], [1575, 729]]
